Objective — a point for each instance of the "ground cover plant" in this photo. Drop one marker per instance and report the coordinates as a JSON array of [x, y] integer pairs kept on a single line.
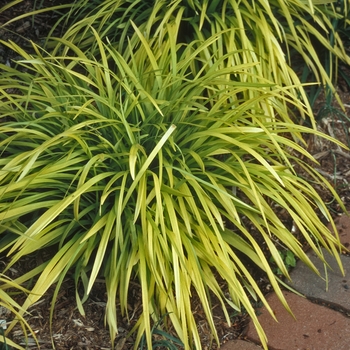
[[141, 152]]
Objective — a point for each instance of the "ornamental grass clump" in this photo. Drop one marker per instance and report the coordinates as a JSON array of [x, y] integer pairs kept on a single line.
[[150, 159], [10, 309], [274, 33], [135, 166]]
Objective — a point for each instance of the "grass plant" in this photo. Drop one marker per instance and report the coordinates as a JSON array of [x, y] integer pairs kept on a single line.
[[339, 23], [133, 165], [144, 144], [271, 33], [11, 310]]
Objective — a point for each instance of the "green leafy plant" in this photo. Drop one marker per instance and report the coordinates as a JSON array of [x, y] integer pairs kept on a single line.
[[288, 258], [165, 340], [4, 345]]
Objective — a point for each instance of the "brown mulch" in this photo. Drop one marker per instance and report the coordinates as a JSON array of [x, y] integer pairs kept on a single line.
[[71, 330]]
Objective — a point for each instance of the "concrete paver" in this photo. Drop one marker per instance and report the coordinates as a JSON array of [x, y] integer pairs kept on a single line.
[[336, 291]]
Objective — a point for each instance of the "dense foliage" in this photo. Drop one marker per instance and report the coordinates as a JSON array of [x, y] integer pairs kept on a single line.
[[144, 143]]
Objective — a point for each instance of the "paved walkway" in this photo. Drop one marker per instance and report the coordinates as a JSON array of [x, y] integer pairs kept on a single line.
[[322, 318]]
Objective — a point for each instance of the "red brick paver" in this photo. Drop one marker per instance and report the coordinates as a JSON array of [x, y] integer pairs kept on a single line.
[[316, 327]]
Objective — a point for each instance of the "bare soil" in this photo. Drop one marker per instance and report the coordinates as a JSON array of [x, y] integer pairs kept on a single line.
[[70, 329]]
